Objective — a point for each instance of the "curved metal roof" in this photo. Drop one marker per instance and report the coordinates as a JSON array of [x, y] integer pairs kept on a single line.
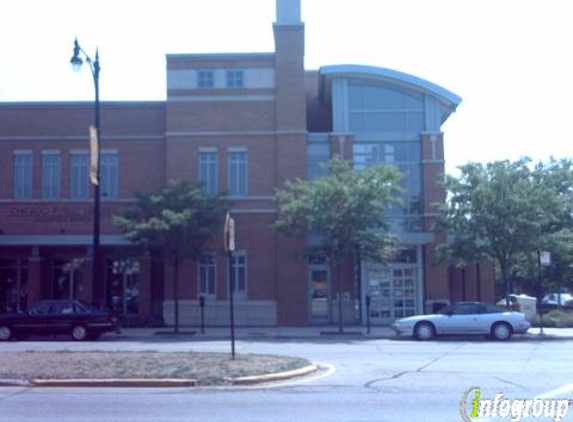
[[393, 77]]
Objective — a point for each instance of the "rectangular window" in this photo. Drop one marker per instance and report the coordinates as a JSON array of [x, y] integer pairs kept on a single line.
[[51, 174], [235, 79], [238, 173], [205, 79], [207, 272], [209, 171], [239, 275], [109, 175], [79, 168], [23, 175]]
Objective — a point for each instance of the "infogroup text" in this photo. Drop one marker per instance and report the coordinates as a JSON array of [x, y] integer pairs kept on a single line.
[[473, 405]]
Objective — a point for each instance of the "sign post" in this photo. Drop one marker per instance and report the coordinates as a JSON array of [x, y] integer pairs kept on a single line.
[[229, 241], [543, 258]]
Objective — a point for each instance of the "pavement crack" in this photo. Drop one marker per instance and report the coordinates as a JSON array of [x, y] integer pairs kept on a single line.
[[510, 383], [449, 352], [371, 384], [17, 393]]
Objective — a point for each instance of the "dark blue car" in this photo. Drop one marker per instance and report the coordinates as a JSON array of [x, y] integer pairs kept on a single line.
[[52, 317]]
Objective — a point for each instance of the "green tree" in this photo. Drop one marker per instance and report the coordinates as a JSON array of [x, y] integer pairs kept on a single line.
[[174, 224], [502, 211], [345, 209]]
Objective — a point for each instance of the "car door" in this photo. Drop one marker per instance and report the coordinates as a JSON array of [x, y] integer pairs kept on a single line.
[[60, 317], [462, 319], [33, 321]]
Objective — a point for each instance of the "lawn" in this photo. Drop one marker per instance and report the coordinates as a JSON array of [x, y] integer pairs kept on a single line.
[[206, 368]]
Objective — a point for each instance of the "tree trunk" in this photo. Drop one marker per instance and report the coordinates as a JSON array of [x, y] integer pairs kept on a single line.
[[176, 293], [340, 307]]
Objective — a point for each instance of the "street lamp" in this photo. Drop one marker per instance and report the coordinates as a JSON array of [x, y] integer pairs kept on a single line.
[[77, 62]]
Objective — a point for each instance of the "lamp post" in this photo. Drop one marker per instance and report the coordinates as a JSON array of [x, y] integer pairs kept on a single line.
[[77, 62]]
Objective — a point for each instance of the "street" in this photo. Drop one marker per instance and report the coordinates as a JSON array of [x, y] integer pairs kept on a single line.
[[362, 380]]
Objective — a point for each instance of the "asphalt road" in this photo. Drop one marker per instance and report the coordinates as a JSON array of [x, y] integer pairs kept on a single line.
[[364, 380]]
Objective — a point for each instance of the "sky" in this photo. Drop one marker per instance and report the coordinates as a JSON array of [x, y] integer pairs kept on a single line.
[[509, 60]]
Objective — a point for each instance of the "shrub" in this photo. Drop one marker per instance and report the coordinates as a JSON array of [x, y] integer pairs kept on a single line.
[[559, 318]]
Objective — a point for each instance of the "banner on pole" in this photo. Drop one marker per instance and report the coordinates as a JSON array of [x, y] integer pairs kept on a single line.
[[94, 156]]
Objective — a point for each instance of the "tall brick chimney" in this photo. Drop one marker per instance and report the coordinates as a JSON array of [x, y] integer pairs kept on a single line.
[[289, 66]]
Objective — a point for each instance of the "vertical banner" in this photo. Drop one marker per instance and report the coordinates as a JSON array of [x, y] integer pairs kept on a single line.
[[94, 156]]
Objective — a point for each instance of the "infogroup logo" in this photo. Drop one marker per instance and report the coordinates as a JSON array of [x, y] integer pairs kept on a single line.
[[473, 407]]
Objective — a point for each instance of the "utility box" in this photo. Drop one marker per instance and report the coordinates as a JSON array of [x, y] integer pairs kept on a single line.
[[527, 305]]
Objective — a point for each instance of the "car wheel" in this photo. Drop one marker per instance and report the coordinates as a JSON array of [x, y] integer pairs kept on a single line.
[[79, 332], [424, 331], [501, 331], [5, 333]]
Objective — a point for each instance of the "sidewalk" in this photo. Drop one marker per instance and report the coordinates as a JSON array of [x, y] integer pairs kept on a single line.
[[322, 333]]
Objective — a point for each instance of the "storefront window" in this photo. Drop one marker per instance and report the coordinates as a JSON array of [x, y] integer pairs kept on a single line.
[[68, 278], [13, 285], [123, 286]]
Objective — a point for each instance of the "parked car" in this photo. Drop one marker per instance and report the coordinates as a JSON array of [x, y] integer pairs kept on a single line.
[[464, 318], [53, 317]]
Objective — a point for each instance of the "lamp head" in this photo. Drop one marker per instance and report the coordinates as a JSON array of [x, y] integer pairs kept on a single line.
[[76, 60]]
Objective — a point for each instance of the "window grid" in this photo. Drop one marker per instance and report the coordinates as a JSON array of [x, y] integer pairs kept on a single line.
[[79, 169], [208, 172], [205, 79], [238, 173], [23, 176], [51, 176], [235, 79], [109, 175], [207, 275]]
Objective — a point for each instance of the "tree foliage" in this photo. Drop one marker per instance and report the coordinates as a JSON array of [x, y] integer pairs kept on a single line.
[[506, 211], [345, 209], [174, 223]]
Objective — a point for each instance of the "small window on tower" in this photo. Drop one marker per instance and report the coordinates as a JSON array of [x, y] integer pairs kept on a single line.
[[235, 79], [205, 79]]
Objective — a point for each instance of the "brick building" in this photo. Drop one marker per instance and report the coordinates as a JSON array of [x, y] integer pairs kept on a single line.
[[243, 124]]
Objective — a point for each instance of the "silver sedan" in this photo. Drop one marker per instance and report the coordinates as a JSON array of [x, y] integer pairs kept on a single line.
[[464, 318]]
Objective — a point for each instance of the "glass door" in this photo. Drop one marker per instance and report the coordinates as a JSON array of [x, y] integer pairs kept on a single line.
[[392, 291], [319, 293]]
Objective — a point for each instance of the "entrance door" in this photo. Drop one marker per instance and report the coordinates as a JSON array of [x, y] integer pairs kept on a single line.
[[319, 294], [392, 290]]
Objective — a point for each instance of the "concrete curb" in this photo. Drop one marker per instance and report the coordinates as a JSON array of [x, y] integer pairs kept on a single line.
[[278, 376], [154, 383], [116, 382]]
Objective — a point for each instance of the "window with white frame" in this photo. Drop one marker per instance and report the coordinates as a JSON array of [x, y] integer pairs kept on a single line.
[[207, 275], [109, 174], [237, 174], [79, 168], [209, 171], [51, 174], [205, 79], [239, 275], [235, 79], [23, 161]]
